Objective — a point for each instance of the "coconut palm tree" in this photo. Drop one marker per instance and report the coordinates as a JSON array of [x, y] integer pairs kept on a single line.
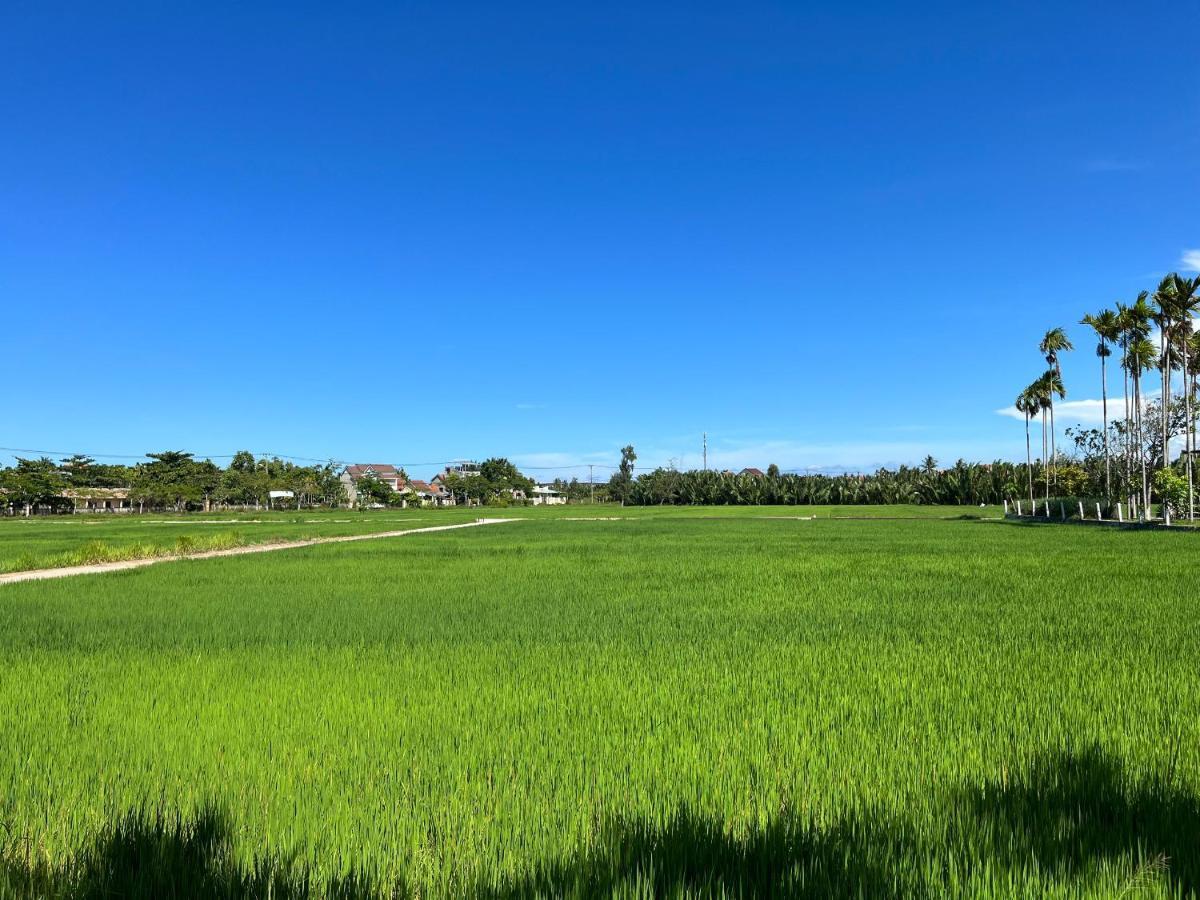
[[1053, 343], [1104, 323]]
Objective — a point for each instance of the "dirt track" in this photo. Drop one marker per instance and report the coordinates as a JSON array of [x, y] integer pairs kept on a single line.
[[94, 568]]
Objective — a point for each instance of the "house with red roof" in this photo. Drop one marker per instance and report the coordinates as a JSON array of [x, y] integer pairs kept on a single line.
[[396, 479]]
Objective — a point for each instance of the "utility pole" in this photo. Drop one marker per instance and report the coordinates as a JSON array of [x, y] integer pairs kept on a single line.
[[591, 484], [706, 451]]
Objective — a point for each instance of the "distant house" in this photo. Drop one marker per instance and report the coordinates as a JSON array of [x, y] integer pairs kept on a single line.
[[462, 469], [757, 473], [389, 475], [434, 494], [546, 495], [430, 494], [98, 500]]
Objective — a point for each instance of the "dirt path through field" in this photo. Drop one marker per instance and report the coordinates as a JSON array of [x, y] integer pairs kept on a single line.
[[93, 568]]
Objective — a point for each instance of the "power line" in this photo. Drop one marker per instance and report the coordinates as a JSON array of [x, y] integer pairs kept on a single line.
[[96, 454]]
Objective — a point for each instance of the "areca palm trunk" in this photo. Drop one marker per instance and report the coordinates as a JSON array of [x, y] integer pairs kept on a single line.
[[1053, 449], [1136, 444], [1128, 422], [1028, 456], [1188, 431], [1192, 426], [1104, 411], [1045, 461], [1192, 393], [1137, 402], [1165, 365]]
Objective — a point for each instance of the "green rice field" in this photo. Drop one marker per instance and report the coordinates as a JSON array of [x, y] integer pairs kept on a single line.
[[648, 703], [45, 542], [51, 541]]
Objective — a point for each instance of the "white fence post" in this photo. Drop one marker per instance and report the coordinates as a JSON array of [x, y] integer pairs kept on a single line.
[[1081, 510], [1120, 513], [1099, 516], [1006, 507]]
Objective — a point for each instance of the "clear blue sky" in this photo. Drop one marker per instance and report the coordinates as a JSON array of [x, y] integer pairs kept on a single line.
[[826, 234]]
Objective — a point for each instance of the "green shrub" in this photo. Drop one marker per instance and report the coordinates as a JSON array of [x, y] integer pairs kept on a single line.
[[1171, 488]]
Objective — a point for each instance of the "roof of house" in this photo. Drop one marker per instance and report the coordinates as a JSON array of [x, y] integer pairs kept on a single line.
[[379, 470], [751, 471], [96, 493]]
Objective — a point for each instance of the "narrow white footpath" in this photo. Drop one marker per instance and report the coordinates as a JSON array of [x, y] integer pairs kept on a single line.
[[93, 568]]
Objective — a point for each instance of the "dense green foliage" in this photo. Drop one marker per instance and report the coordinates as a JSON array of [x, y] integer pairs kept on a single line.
[[660, 705], [172, 479], [963, 483], [495, 481]]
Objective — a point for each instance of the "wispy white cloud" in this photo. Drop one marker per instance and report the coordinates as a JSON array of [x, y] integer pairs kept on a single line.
[[1088, 411], [1190, 261], [1069, 412]]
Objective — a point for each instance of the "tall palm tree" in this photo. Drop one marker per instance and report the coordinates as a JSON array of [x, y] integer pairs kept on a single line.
[[1176, 302], [1125, 329], [1165, 313], [1104, 323], [1180, 352], [1042, 392], [1182, 298], [1134, 324], [1053, 343], [1142, 357], [1027, 405], [1191, 380]]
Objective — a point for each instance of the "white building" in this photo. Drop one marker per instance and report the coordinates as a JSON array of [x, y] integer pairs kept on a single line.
[[545, 495]]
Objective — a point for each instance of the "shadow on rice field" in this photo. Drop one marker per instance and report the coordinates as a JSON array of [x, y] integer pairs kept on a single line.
[[1061, 819], [1176, 527]]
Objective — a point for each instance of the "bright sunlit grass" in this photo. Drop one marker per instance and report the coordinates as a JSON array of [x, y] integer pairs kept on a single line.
[[643, 707]]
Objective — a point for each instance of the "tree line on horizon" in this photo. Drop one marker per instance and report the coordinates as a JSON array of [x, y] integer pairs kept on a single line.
[[170, 479], [962, 484], [175, 480]]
